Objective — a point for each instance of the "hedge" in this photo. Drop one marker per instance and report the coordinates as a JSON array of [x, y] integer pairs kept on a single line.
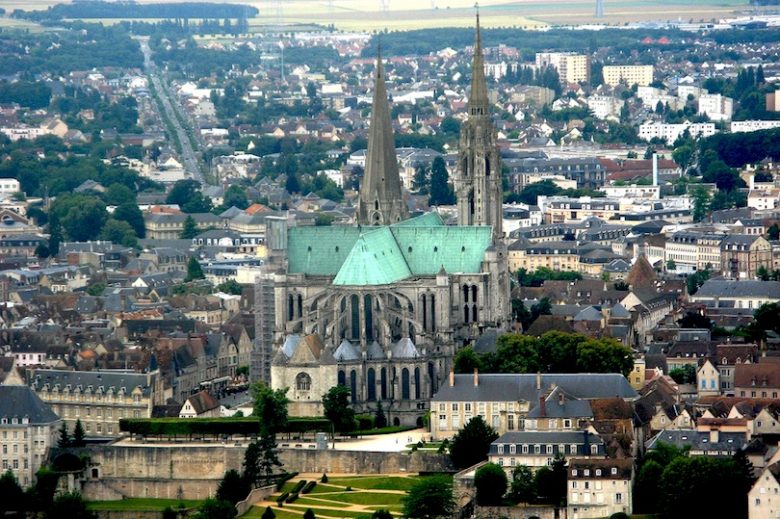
[[189, 426], [298, 486], [281, 499], [309, 487], [383, 430], [284, 479], [292, 498], [248, 426]]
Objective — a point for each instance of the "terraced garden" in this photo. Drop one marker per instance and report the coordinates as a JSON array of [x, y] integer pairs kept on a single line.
[[340, 497]]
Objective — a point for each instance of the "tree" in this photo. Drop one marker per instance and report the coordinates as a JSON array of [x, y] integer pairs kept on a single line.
[[671, 265], [523, 488], [466, 360], [78, 435], [420, 181], [472, 443], [490, 480], [268, 513], [118, 194], [701, 203], [64, 440], [235, 195], [308, 514], [380, 419], [194, 270], [190, 229], [684, 375], [215, 509], [233, 487], [119, 233], [270, 405], [292, 185], [55, 234], [131, 214], [441, 191], [431, 498], [70, 505], [551, 482], [762, 273], [13, 496], [382, 514], [774, 231], [82, 216], [231, 286], [336, 404]]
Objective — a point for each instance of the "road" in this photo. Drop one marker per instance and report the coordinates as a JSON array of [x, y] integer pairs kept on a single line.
[[174, 111]]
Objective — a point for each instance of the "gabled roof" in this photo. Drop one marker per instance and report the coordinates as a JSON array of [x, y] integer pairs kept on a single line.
[[404, 349], [374, 260], [346, 352]]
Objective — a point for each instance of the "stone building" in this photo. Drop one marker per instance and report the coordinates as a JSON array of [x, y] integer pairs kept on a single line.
[[383, 306], [28, 429], [98, 398]]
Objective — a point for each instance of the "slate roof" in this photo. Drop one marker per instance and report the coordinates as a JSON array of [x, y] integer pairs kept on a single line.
[[346, 352], [107, 379], [549, 437], [699, 441], [726, 288], [22, 402], [515, 387]]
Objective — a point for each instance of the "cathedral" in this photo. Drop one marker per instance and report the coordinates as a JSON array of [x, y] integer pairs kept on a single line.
[[382, 307]]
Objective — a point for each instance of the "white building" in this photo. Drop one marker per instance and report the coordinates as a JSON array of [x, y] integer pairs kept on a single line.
[[599, 488], [716, 106], [683, 91], [764, 497], [9, 186], [753, 126], [641, 75], [670, 132], [28, 429], [604, 107], [571, 67]]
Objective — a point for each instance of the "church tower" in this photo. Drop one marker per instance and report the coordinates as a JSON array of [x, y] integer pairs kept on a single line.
[[381, 201], [478, 177]]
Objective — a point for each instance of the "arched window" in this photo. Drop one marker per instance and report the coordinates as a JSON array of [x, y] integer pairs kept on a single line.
[[416, 383], [371, 383], [290, 308], [354, 302], [303, 382], [404, 384], [368, 313], [465, 166], [432, 379], [474, 313], [487, 166], [383, 383], [353, 385], [473, 293], [433, 313], [466, 314], [465, 293], [300, 305], [376, 205], [342, 378], [425, 312]]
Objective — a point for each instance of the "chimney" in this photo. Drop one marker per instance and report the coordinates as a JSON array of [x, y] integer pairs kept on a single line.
[[714, 435], [655, 169], [542, 408], [476, 377], [452, 378], [538, 381]]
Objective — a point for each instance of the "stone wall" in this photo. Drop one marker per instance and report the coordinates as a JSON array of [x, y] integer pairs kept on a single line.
[[519, 512], [187, 471], [255, 496]]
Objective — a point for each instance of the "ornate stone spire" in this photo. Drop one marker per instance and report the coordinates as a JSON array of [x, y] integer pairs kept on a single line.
[[478, 176], [381, 201], [478, 98]]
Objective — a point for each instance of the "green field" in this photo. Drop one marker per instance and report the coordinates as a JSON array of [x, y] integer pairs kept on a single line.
[[332, 500], [142, 504]]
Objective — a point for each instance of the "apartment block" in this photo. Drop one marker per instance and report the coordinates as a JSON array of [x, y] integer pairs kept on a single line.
[[641, 75]]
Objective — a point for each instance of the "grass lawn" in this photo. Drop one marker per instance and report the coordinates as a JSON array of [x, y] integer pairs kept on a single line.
[[365, 498], [324, 511], [377, 483], [257, 511], [324, 487], [142, 504]]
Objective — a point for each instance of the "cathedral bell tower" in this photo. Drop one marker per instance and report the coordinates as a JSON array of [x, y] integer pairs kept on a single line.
[[381, 201], [478, 176]]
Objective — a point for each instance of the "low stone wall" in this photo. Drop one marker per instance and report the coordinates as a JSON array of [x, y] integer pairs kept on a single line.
[[187, 471], [519, 512], [255, 496], [363, 462]]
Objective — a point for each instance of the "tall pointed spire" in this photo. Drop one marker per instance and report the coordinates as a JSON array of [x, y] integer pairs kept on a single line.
[[478, 98], [381, 201]]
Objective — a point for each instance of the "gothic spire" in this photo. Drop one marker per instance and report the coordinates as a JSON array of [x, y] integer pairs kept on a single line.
[[380, 194], [478, 99]]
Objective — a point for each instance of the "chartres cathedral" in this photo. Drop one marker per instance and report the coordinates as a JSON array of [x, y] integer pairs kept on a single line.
[[383, 306]]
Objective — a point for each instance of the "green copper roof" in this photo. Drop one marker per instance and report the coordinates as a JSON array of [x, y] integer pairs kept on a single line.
[[431, 218], [319, 251], [457, 249], [359, 256], [374, 260]]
